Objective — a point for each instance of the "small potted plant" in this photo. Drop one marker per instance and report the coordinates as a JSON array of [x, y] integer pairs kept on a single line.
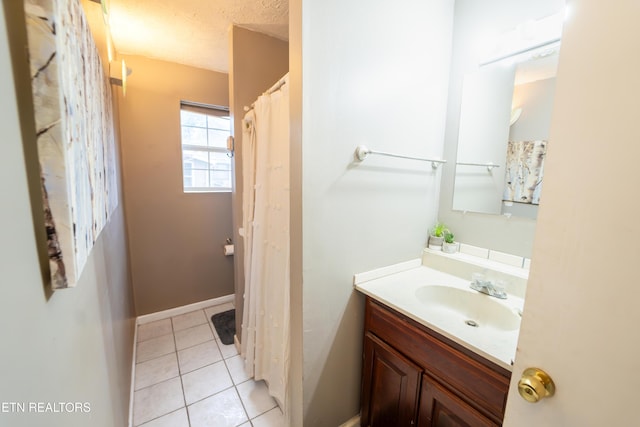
[[436, 237], [449, 245]]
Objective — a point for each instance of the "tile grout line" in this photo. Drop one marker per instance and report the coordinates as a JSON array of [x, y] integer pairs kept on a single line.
[[198, 368], [176, 350], [153, 338], [180, 374], [244, 408], [184, 397], [215, 340], [235, 386], [262, 413], [159, 382], [211, 395]]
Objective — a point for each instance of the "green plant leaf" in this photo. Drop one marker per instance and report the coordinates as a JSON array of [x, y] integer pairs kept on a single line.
[[439, 230]]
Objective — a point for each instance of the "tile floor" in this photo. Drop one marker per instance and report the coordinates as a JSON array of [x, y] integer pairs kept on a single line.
[[186, 377]]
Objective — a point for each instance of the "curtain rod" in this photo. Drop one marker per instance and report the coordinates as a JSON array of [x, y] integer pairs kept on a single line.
[[276, 86], [271, 90]]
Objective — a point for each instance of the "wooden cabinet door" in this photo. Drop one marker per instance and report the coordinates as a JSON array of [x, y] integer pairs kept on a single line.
[[390, 386], [439, 407]]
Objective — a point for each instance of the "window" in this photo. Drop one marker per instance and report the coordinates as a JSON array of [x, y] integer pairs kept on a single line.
[[206, 165]]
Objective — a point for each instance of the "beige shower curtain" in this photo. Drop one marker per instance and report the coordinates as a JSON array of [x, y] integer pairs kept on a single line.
[[265, 162]]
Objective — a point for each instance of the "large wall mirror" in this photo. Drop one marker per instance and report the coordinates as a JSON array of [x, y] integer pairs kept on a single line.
[[504, 126], [503, 63]]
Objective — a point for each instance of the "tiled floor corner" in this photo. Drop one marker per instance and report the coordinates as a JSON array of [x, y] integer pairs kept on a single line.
[[186, 377]]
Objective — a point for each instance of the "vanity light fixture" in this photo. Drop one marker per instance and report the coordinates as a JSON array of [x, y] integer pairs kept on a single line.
[[122, 79], [105, 9], [107, 27], [113, 79], [515, 115], [539, 37], [109, 44], [125, 72]]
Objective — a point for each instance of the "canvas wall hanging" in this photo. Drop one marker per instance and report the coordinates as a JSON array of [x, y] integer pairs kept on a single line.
[[74, 125]]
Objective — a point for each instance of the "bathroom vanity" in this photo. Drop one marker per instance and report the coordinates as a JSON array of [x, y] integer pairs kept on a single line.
[[435, 353], [415, 376]]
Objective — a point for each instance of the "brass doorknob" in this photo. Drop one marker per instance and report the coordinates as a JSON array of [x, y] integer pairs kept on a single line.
[[535, 384]]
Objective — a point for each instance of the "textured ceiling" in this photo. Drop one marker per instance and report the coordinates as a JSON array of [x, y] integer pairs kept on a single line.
[[191, 32]]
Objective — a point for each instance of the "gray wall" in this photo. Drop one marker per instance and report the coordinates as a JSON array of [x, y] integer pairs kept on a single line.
[[472, 19], [175, 238], [74, 345], [257, 62], [374, 75], [295, 398], [535, 121]]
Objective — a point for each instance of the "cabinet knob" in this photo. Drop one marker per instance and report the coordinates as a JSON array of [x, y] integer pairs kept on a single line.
[[535, 384]]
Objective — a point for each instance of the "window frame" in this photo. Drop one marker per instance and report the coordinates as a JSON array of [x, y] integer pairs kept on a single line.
[[207, 110]]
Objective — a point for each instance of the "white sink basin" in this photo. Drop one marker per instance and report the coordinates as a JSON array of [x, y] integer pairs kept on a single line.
[[472, 308]]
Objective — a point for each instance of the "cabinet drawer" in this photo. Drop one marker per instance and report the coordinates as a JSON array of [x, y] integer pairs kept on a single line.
[[474, 380]]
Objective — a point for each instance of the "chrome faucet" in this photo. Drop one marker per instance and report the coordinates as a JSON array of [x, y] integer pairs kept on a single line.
[[487, 287]]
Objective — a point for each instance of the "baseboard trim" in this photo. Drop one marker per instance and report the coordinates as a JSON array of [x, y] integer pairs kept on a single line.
[[353, 422], [176, 311], [236, 341], [165, 314]]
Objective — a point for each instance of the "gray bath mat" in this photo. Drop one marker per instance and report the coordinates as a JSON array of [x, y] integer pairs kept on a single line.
[[225, 324]]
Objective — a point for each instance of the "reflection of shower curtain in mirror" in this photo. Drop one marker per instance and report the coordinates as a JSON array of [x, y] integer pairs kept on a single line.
[[265, 200]]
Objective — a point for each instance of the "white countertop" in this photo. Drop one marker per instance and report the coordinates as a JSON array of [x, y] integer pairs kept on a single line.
[[396, 286]]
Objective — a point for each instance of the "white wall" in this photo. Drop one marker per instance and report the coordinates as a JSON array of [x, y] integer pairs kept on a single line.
[[473, 21], [74, 346], [376, 74]]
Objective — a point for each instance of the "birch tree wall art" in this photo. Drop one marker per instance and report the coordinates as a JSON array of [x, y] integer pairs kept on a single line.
[[524, 171], [74, 125]]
